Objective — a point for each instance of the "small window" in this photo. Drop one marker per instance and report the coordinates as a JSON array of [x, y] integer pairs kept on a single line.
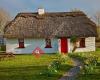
[[82, 42], [21, 43], [2, 41], [48, 43]]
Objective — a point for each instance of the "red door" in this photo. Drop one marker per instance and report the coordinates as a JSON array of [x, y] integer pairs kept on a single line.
[[64, 45]]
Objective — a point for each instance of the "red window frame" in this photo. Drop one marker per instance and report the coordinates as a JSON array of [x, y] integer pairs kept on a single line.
[[82, 42], [21, 43], [48, 43]]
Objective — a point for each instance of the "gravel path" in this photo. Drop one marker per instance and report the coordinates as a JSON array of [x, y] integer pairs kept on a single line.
[[71, 74]]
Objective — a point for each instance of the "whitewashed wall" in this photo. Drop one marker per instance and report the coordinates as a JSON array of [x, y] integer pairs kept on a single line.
[[90, 45], [69, 47], [30, 45]]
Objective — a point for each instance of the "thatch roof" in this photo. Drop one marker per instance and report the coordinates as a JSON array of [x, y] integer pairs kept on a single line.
[[58, 24]]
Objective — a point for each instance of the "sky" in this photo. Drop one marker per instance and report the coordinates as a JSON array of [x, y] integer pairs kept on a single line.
[[13, 7]]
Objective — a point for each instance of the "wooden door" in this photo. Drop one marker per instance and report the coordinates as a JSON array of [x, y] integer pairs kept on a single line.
[[64, 45]]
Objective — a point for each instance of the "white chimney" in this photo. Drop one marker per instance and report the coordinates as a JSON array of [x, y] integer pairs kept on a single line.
[[41, 11]]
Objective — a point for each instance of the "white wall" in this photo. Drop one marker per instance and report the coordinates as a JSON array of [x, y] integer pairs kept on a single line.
[[90, 45], [59, 45], [30, 45], [69, 48]]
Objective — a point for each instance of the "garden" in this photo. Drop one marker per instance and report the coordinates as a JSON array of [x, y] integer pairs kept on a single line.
[[91, 65], [49, 66], [29, 67]]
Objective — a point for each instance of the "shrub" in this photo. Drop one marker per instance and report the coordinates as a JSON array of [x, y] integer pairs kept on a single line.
[[54, 66], [73, 39], [90, 64], [88, 59]]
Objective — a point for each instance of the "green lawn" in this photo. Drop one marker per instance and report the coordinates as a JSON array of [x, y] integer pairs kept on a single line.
[[95, 74], [27, 67]]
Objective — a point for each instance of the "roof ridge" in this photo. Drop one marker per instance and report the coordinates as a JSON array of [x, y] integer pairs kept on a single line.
[[74, 12], [31, 14]]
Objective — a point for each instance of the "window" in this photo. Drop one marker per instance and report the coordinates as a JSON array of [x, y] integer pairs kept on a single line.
[[21, 43], [48, 43], [82, 42], [1, 41]]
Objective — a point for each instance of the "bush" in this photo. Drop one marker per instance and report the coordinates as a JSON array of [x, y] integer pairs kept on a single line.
[[90, 64], [54, 66], [73, 39], [79, 56], [88, 59]]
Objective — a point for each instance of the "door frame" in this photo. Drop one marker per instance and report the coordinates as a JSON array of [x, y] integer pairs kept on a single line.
[[61, 43]]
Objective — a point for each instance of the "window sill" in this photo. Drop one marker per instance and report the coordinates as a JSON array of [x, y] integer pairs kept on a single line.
[[81, 47], [48, 47], [20, 48]]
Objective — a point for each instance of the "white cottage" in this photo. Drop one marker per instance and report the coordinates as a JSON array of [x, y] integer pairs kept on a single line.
[[50, 32]]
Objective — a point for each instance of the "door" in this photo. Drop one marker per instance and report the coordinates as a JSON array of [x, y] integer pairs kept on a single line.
[[64, 45]]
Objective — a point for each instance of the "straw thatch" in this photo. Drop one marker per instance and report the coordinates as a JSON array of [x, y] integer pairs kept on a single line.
[[59, 24]]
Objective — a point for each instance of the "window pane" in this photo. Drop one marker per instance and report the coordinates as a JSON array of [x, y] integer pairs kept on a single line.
[[21, 43], [82, 42], [48, 43], [1, 41]]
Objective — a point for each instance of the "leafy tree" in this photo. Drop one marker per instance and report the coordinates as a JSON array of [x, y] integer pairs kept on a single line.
[[97, 21], [4, 18], [97, 18]]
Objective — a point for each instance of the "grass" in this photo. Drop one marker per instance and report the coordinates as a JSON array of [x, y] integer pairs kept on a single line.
[[95, 75], [27, 67]]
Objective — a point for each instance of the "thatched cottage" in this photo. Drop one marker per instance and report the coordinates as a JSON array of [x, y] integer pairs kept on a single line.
[[50, 32]]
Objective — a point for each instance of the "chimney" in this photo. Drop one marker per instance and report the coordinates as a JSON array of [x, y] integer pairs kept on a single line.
[[41, 11]]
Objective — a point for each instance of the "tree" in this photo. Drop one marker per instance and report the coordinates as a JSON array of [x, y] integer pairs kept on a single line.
[[74, 40], [4, 18], [97, 20]]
